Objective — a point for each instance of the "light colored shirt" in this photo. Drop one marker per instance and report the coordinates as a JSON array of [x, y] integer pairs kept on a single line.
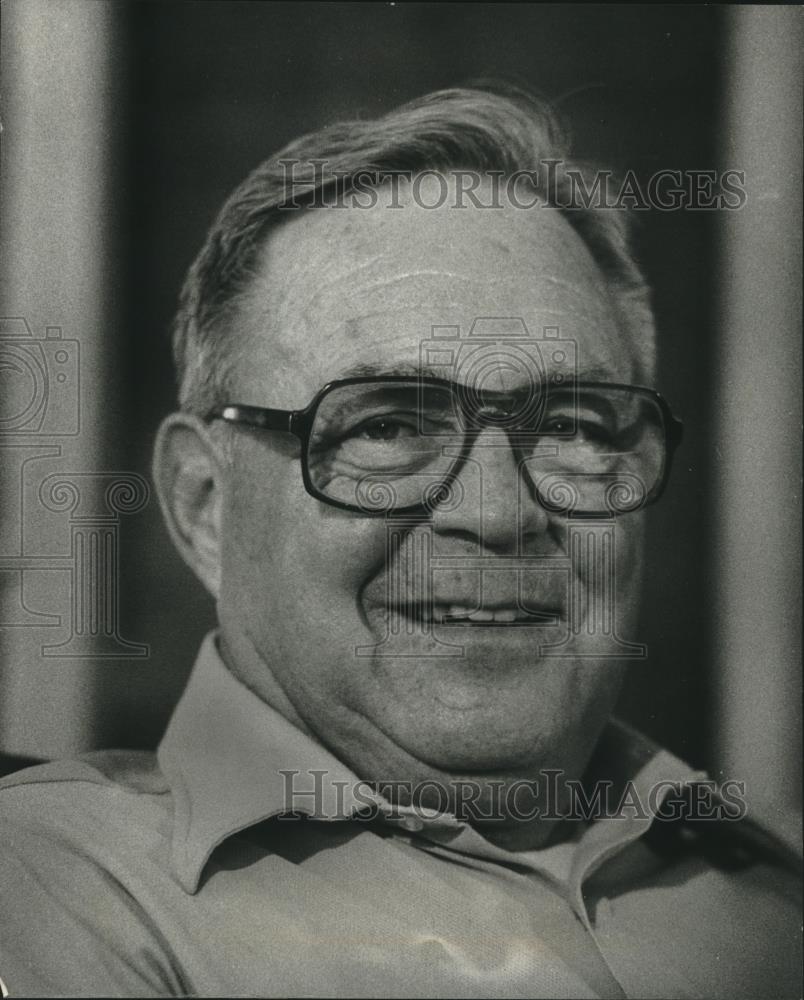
[[134, 874]]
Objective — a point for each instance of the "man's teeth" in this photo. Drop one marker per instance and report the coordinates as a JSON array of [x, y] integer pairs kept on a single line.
[[460, 612]]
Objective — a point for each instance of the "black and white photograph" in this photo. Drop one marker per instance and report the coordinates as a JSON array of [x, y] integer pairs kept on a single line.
[[400, 499]]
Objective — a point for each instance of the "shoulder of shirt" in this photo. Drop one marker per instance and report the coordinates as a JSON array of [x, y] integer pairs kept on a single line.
[[106, 809], [728, 828], [729, 840], [132, 771]]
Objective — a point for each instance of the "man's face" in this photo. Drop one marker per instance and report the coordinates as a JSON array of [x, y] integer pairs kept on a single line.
[[348, 289]]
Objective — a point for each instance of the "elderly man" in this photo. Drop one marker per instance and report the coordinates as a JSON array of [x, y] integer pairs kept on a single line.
[[416, 439]]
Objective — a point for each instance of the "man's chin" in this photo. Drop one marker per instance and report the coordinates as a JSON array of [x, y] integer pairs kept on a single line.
[[463, 735]]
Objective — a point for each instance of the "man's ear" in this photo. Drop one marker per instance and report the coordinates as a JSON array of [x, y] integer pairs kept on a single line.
[[189, 470]]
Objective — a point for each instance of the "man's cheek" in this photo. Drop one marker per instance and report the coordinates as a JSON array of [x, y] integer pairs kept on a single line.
[[627, 570], [345, 552], [606, 565], [629, 537], [315, 553]]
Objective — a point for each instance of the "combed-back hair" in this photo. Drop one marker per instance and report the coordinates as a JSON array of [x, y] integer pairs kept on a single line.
[[487, 129]]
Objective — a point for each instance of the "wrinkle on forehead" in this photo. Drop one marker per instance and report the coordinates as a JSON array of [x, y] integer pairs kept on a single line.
[[543, 282], [548, 292]]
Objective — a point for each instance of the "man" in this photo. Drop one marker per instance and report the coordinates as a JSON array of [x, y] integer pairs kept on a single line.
[[416, 440]]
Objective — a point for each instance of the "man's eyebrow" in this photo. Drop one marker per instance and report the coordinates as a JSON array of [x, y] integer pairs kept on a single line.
[[379, 369]]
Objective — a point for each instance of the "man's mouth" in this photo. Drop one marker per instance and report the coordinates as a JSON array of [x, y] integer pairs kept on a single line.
[[455, 613]]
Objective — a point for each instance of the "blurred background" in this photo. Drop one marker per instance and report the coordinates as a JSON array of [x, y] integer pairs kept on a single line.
[[125, 126]]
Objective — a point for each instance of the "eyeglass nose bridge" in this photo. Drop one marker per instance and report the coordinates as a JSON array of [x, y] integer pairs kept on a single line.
[[512, 411]]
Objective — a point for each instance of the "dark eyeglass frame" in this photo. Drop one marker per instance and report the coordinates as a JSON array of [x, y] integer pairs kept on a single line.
[[300, 424]]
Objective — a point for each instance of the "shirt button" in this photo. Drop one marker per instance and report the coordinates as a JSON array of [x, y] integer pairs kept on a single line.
[[412, 823]]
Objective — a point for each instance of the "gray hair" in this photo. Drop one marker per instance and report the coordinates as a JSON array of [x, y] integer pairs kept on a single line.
[[488, 130]]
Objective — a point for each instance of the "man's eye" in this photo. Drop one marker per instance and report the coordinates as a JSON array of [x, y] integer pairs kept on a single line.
[[558, 425], [385, 429], [580, 429]]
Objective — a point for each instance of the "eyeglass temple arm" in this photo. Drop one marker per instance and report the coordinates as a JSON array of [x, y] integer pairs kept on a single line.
[[257, 416]]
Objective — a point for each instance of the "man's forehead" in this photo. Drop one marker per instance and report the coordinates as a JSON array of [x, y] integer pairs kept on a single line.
[[376, 253], [342, 287]]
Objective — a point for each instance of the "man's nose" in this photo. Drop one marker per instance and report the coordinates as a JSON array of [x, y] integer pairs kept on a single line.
[[493, 502]]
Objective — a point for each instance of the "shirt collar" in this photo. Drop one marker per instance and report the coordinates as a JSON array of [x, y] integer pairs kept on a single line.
[[227, 755], [230, 760]]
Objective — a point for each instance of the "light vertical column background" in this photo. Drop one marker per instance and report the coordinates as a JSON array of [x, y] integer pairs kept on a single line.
[[58, 83], [757, 453]]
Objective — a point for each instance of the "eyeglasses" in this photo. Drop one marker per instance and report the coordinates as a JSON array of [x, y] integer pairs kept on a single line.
[[394, 444]]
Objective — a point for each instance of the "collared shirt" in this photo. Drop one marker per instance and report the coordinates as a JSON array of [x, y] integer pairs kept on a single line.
[[126, 873]]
